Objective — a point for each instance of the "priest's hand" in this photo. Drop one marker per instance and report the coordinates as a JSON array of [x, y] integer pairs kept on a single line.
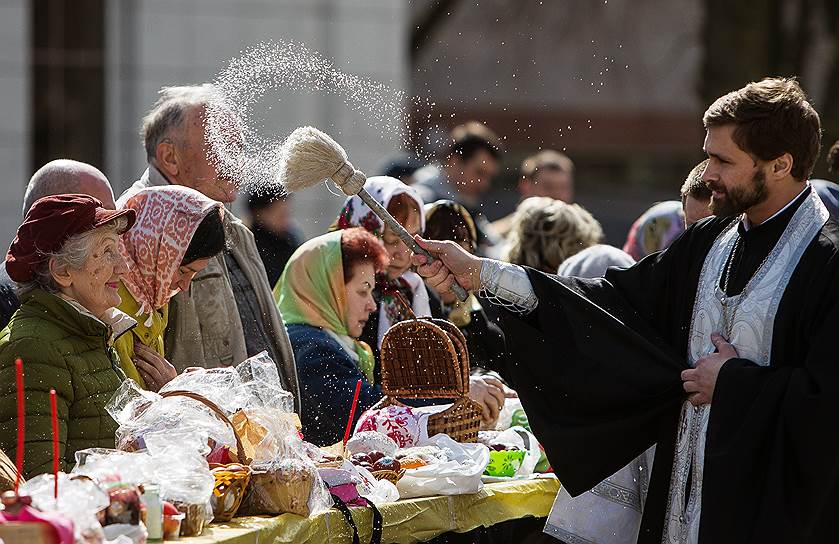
[[451, 264], [699, 382]]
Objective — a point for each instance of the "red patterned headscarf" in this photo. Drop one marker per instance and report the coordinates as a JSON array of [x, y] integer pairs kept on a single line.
[[167, 218]]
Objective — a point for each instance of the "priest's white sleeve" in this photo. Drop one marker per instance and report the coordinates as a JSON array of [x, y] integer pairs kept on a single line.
[[507, 285]]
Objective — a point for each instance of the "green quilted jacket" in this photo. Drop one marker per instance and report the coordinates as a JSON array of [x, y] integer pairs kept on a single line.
[[68, 351]]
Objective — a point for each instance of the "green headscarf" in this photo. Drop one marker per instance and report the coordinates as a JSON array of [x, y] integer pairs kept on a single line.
[[312, 292]]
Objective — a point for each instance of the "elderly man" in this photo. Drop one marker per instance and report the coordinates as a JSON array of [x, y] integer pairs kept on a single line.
[[229, 314], [61, 176]]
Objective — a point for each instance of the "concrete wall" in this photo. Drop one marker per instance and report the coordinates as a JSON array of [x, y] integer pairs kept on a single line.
[[14, 119], [152, 43]]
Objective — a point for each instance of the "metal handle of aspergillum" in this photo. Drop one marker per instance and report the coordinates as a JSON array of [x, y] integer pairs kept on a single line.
[[380, 210]]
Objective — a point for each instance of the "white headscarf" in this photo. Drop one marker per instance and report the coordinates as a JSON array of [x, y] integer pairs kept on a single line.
[[593, 261], [356, 213]]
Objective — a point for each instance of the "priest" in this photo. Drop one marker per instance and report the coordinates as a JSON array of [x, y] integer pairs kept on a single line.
[[720, 350]]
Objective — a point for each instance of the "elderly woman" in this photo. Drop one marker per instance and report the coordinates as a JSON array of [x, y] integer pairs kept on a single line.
[[326, 296], [178, 231], [66, 262], [545, 232], [398, 282], [405, 204]]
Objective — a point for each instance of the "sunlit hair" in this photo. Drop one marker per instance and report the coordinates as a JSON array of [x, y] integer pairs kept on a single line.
[[72, 255], [469, 138], [448, 220], [833, 158], [547, 159], [359, 246], [772, 117], [545, 232], [694, 186], [166, 117]]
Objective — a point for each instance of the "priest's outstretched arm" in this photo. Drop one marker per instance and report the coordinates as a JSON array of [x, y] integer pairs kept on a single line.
[[596, 380]]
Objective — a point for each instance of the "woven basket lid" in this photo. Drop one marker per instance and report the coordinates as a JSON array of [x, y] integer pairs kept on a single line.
[[420, 360]]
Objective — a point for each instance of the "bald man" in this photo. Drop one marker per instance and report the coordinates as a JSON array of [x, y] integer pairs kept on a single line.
[[64, 176], [58, 177]]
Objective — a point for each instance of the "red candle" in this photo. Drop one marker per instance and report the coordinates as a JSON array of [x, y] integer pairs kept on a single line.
[[21, 420], [352, 411], [54, 411]]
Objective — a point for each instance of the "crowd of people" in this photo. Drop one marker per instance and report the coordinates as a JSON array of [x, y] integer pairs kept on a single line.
[[165, 278]]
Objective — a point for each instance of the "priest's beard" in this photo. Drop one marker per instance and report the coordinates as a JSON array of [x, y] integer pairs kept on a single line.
[[739, 199]]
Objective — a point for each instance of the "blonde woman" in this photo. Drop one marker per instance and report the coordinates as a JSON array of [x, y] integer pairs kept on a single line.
[[545, 232]]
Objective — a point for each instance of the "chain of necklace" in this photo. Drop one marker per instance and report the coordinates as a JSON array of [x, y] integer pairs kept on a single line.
[[728, 320]]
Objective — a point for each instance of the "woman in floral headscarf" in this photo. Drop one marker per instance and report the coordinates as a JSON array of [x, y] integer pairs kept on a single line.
[[405, 204], [655, 230], [177, 231]]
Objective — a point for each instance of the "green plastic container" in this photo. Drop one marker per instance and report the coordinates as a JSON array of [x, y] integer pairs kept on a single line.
[[504, 463]]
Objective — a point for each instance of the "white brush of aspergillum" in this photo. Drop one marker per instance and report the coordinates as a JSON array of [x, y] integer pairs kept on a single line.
[[310, 156]]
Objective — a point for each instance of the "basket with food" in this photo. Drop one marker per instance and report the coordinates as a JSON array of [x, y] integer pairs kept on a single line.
[[427, 358], [231, 479], [285, 486]]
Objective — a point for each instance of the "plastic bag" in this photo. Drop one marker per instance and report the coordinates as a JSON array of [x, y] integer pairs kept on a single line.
[[264, 432], [512, 408], [79, 499], [288, 482], [136, 534], [460, 474], [140, 413], [524, 440], [252, 387], [174, 462], [184, 477], [129, 401], [376, 491], [289, 485], [253, 383]]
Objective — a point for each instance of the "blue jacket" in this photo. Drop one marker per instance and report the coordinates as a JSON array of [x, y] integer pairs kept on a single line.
[[327, 377]]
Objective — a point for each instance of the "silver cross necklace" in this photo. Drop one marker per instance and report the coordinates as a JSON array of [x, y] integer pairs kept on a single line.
[[729, 314]]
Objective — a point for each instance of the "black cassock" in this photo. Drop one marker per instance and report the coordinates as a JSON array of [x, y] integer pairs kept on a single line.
[[597, 366]]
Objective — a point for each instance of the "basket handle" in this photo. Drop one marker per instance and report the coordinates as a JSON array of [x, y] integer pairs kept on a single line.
[[240, 448], [404, 303]]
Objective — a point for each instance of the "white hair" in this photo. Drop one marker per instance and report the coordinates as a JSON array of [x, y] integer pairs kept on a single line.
[[73, 254], [166, 118]]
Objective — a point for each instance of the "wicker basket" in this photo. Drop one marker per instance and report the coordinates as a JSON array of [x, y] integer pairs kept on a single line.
[[427, 358], [230, 484]]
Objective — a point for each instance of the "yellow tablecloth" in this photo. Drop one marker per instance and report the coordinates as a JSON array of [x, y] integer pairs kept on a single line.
[[408, 521]]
